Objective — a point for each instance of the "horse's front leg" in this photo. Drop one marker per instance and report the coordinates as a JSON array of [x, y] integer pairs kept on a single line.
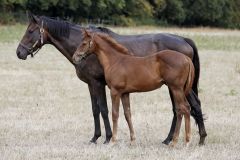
[[96, 113], [102, 103], [99, 103], [115, 112]]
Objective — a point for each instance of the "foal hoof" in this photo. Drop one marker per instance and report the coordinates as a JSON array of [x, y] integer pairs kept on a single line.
[[187, 144], [172, 145], [133, 143]]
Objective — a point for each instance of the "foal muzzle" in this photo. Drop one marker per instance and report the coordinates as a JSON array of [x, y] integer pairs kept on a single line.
[[77, 58]]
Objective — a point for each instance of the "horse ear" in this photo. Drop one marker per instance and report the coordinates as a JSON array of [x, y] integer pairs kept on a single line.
[[29, 16], [32, 17]]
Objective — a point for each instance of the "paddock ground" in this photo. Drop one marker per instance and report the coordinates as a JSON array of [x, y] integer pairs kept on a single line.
[[45, 111]]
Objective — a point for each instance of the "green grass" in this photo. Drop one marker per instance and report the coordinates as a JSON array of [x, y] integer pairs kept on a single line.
[[224, 43], [12, 33], [208, 39]]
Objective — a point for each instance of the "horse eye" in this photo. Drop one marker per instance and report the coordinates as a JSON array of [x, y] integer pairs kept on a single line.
[[30, 31]]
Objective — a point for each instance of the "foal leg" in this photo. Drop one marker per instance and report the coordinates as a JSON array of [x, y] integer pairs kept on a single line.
[[115, 112], [187, 121], [174, 120], [127, 114], [181, 109]]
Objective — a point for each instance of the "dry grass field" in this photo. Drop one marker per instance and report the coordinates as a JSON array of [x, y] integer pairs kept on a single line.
[[45, 110]]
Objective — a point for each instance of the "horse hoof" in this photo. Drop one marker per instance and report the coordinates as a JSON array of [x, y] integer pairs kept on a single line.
[[107, 141], [93, 140], [202, 141], [166, 141]]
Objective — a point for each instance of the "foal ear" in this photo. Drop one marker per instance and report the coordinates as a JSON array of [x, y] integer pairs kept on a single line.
[[86, 32]]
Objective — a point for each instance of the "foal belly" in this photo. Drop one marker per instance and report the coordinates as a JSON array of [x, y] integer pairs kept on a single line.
[[146, 86]]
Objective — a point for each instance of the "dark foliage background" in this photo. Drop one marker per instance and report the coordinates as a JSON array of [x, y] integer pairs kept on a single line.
[[217, 13]]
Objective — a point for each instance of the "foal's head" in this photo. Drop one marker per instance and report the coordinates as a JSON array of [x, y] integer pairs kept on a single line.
[[85, 47]]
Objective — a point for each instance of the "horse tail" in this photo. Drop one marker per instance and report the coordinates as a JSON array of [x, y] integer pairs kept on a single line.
[[190, 78], [196, 63]]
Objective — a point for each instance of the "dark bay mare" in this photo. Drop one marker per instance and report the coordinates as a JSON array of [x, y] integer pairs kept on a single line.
[[66, 37], [126, 73]]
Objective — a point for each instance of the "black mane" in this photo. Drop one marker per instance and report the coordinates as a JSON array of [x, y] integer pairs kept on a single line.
[[56, 27], [101, 29], [105, 30]]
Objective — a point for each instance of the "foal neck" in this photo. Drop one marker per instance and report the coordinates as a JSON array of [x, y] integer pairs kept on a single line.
[[109, 51]]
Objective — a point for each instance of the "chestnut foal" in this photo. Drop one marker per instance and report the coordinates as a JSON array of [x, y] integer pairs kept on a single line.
[[125, 74]]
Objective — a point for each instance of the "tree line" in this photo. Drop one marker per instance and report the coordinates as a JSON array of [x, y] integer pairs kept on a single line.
[[216, 13]]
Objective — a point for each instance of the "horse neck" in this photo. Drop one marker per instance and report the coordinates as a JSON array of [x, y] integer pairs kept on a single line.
[[66, 46], [106, 53]]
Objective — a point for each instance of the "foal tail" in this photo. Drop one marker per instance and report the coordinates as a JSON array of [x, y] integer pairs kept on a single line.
[[190, 79]]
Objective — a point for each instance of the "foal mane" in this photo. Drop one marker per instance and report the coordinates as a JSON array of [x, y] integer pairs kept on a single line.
[[114, 43], [56, 27]]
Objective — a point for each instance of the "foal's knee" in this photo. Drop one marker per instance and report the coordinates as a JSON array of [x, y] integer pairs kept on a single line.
[[183, 110], [115, 115]]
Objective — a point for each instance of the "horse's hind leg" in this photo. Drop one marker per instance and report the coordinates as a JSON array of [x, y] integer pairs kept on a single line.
[[174, 120], [182, 108], [127, 113], [196, 112]]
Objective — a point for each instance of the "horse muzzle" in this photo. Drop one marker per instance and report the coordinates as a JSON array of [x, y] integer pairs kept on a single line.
[[21, 53]]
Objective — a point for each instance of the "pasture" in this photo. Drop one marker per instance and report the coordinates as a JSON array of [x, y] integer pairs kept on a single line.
[[45, 110]]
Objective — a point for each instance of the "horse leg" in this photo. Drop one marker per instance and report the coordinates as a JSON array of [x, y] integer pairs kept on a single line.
[[196, 112], [115, 112], [102, 102], [127, 114], [96, 113], [174, 120], [99, 104], [182, 108]]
